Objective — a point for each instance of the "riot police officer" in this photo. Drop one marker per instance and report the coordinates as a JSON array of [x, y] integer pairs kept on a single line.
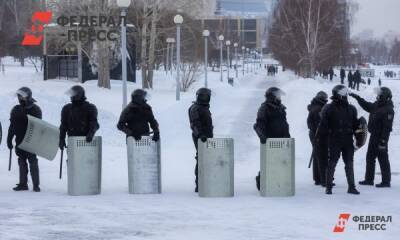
[[17, 129], [320, 151], [379, 125], [78, 118], [271, 119], [338, 124], [137, 116], [201, 122]]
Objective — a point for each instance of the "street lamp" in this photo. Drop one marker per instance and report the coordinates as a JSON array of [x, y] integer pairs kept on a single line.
[[206, 34], [228, 44], [178, 20], [247, 55], [221, 44], [236, 58], [243, 53], [124, 4]]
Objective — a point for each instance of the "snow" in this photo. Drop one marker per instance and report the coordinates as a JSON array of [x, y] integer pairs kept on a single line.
[[179, 213]]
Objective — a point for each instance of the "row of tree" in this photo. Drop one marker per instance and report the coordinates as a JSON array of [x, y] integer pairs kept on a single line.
[[379, 51]]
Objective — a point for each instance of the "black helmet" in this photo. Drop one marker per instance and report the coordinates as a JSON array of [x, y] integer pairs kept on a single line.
[[25, 94], [340, 92], [274, 94], [203, 95], [77, 93], [139, 96], [384, 94], [322, 97]]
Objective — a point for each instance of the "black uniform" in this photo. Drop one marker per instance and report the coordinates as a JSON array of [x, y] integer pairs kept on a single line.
[[135, 120], [331, 73], [271, 120], [357, 80], [200, 122], [350, 79], [379, 125], [18, 127], [338, 124], [320, 150], [342, 75]]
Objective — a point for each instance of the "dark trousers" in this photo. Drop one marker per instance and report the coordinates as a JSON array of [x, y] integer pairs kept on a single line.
[[320, 160], [342, 80], [345, 148], [33, 167], [383, 159]]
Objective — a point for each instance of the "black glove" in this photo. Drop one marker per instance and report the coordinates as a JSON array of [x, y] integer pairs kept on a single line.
[[203, 138], [382, 146], [10, 144], [137, 137], [263, 140], [89, 138], [156, 137], [62, 144]]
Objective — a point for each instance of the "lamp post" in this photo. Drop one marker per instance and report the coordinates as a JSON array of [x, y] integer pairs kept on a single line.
[[221, 44], [236, 58], [228, 44], [124, 4], [206, 34], [178, 20], [243, 53], [170, 53], [247, 54]]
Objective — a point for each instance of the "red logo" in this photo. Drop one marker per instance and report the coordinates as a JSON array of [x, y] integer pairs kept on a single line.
[[38, 20], [340, 226]]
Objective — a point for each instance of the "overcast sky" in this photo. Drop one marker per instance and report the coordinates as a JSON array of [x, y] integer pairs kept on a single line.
[[379, 15]]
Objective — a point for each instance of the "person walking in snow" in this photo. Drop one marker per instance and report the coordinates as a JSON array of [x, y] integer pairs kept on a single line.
[[320, 151], [379, 125], [18, 126], [201, 122], [342, 75], [331, 73], [136, 118], [338, 125], [357, 80], [271, 119], [78, 118]]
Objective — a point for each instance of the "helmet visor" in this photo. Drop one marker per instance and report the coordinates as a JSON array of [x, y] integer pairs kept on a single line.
[[344, 92], [21, 94], [279, 94], [71, 93], [378, 91]]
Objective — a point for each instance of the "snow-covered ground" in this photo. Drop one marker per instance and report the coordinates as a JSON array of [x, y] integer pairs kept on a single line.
[[179, 213]]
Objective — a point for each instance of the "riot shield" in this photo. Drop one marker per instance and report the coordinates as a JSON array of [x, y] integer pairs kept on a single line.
[[361, 133], [216, 167], [277, 167], [41, 138], [144, 166], [84, 166]]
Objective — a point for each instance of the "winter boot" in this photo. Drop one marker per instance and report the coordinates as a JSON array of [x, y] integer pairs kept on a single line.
[[366, 183], [353, 190], [383, 185], [328, 190], [21, 187], [36, 189]]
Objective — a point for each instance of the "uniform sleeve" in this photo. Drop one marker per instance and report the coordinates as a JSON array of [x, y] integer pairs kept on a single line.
[[153, 122], [93, 123], [195, 121], [387, 124], [323, 128], [355, 119], [11, 129], [123, 122], [261, 121], [64, 123], [37, 112], [367, 106]]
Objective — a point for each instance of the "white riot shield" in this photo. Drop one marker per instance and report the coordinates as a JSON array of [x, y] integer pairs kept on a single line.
[[278, 168], [84, 166], [41, 138], [144, 166], [216, 167]]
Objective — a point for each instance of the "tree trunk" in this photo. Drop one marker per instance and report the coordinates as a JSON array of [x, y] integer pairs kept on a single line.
[[103, 65], [145, 83], [153, 36]]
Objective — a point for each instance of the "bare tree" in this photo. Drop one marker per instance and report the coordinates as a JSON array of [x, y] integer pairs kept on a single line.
[[306, 35]]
